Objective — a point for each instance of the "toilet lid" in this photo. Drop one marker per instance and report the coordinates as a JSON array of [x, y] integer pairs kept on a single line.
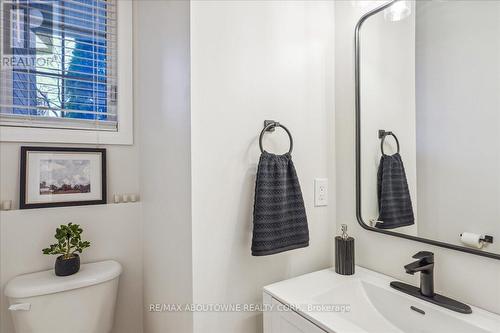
[[46, 282]]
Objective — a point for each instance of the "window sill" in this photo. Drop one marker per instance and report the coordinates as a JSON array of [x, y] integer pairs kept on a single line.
[[49, 135]]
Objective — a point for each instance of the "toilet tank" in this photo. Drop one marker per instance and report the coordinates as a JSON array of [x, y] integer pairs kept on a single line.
[[81, 303]]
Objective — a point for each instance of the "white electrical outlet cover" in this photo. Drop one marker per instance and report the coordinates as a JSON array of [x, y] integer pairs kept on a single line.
[[321, 192]]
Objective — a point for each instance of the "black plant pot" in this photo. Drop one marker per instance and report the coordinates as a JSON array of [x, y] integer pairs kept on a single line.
[[65, 267]]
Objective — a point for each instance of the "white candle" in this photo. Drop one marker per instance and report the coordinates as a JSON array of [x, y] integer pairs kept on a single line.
[[125, 198], [7, 205], [133, 197], [116, 198]]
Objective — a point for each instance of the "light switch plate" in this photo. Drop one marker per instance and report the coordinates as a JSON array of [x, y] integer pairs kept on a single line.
[[320, 192]]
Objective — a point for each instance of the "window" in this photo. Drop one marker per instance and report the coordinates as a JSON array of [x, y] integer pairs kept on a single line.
[[59, 65]]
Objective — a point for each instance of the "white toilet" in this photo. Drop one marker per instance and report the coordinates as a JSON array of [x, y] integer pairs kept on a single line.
[[81, 303]]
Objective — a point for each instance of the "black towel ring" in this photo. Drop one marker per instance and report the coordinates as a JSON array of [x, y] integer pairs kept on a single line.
[[269, 126], [382, 134]]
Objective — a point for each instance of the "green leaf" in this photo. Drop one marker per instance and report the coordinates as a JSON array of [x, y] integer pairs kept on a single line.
[[68, 237]]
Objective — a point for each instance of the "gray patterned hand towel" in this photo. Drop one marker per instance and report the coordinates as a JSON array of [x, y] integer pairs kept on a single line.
[[394, 201], [279, 216]]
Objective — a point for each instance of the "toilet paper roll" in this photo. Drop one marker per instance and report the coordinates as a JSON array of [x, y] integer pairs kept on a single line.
[[471, 239]]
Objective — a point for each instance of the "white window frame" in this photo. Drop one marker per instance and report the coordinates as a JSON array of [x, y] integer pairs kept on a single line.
[[125, 112]]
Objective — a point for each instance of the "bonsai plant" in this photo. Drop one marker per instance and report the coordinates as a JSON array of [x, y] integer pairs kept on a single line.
[[69, 243]]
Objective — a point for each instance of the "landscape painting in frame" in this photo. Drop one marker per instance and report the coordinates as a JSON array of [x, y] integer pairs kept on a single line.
[[54, 177]]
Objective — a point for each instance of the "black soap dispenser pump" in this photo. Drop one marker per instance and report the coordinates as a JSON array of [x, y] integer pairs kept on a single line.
[[344, 253]]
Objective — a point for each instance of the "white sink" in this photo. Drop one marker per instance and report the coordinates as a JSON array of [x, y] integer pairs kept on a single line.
[[368, 304]]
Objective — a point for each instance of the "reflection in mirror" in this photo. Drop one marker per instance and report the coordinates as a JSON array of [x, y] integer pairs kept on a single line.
[[441, 101]]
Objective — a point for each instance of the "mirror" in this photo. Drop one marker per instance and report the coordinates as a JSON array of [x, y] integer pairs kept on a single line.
[[428, 75]]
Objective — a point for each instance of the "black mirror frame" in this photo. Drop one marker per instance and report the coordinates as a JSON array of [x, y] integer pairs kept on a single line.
[[358, 153]]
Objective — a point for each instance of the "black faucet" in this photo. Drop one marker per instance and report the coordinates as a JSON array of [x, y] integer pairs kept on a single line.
[[425, 265]]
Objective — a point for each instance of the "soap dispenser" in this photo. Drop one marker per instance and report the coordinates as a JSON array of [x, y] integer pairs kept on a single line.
[[344, 253]]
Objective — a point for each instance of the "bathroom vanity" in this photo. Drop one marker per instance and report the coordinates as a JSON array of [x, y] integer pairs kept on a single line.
[[324, 301]]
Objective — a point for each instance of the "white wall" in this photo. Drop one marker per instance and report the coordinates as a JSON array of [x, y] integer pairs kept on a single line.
[[458, 119], [251, 61], [387, 66], [114, 231], [457, 274], [162, 96]]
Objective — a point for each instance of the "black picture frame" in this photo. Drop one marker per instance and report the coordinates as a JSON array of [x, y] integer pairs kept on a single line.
[[24, 183]]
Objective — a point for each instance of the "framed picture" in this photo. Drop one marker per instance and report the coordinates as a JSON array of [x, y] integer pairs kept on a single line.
[[57, 177]]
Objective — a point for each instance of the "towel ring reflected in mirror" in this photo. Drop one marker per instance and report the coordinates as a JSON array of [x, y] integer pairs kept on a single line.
[[382, 134], [269, 126]]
